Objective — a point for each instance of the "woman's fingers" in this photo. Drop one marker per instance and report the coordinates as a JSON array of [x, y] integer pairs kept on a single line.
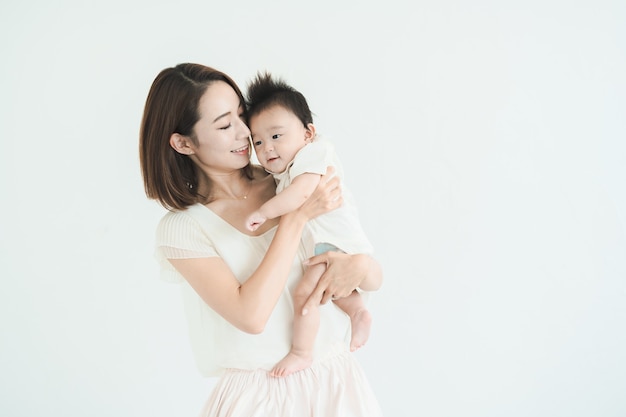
[[317, 294], [339, 279]]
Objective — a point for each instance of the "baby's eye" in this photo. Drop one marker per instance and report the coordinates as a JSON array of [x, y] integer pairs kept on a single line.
[[276, 136], [257, 143]]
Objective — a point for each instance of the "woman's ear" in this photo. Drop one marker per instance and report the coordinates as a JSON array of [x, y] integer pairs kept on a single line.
[[181, 144], [309, 133]]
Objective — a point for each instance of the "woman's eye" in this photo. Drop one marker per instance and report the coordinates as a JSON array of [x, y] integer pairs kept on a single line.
[[226, 127]]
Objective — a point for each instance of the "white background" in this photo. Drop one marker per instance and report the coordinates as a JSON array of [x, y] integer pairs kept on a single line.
[[485, 142]]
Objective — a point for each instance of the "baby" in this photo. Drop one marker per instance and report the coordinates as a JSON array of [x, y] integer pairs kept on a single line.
[[287, 146]]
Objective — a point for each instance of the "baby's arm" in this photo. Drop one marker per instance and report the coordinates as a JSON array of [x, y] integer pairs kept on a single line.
[[286, 201]]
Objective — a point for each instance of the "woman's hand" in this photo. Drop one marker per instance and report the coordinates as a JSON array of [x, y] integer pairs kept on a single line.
[[326, 197], [344, 273]]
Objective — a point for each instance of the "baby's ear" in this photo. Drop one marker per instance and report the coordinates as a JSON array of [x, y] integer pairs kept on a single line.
[[181, 144], [309, 134]]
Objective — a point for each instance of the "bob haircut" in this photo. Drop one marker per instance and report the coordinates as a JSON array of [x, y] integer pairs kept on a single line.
[[172, 107]]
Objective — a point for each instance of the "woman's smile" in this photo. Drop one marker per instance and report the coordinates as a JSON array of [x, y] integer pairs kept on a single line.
[[243, 150]]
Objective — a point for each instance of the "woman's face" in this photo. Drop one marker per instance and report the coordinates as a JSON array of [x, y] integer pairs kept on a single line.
[[277, 135], [222, 135]]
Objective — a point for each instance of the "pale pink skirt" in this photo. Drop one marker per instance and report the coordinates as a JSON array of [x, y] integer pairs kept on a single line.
[[335, 387]]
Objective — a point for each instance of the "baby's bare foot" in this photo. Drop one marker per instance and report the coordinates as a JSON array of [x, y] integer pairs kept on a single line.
[[291, 363], [361, 323]]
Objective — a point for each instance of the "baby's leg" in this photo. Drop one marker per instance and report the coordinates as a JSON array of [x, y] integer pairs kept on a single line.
[[360, 318], [304, 327]]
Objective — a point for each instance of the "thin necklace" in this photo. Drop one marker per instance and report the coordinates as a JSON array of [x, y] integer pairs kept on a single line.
[[231, 196], [245, 196]]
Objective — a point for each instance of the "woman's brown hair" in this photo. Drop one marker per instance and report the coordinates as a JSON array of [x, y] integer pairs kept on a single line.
[[172, 107]]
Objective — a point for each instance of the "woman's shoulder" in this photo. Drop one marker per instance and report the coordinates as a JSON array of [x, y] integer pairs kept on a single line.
[[185, 227], [176, 219]]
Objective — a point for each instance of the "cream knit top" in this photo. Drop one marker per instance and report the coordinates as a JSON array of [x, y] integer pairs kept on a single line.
[[198, 232]]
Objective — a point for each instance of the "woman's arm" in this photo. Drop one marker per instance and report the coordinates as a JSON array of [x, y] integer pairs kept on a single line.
[[248, 306], [344, 273]]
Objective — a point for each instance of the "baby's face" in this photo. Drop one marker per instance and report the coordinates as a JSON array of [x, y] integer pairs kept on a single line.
[[277, 135]]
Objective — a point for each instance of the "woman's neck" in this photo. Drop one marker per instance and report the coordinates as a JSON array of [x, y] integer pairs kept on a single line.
[[233, 185], [234, 208]]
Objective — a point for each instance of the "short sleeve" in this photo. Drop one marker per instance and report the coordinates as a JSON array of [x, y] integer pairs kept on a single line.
[[180, 236], [314, 158]]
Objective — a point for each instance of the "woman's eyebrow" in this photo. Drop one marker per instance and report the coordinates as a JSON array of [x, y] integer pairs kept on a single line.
[[221, 116]]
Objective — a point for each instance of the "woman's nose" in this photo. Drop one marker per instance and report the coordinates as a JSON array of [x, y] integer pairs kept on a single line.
[[243, 127]]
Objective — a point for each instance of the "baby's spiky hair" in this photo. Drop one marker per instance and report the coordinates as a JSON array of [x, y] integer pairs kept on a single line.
[[264, 92]]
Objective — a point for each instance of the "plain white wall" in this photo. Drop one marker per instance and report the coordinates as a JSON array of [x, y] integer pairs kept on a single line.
[[484, 142]]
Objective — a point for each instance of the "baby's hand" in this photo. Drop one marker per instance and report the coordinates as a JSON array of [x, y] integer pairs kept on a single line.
[[255, 220]]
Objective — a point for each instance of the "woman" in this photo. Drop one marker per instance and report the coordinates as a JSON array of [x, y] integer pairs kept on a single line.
[[195, 160]]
